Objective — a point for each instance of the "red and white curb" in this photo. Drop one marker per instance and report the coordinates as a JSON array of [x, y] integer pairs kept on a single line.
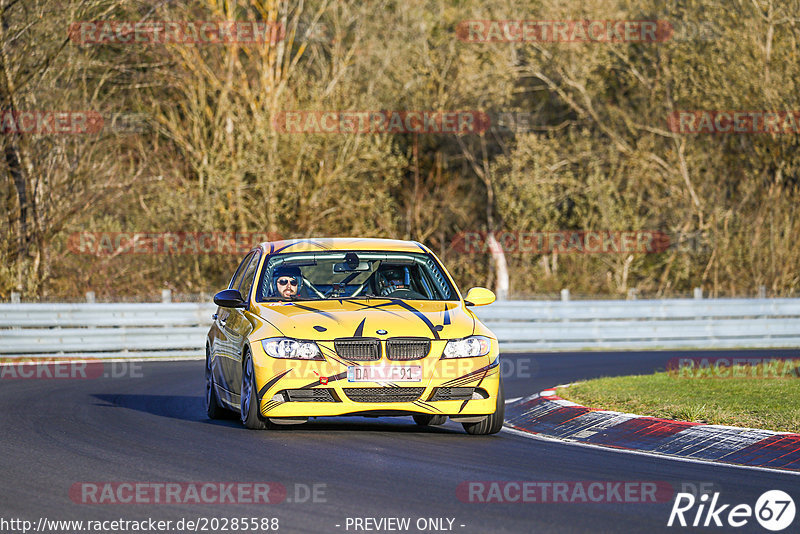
[[548, 415]]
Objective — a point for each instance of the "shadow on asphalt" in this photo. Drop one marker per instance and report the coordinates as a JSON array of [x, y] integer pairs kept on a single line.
[[190, 408]]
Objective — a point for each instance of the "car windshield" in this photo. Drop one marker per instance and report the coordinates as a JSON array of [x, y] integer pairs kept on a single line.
[[357, 274]]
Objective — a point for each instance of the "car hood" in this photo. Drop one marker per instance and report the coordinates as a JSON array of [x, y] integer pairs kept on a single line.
[[330, 319]]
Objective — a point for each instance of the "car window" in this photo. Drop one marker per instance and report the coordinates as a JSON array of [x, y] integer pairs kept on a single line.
[[249, 276], [362, 274], [237, 278]]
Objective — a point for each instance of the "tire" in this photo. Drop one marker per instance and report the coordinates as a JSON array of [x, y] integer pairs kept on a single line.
[[214, 409], [250, 416], [429, 420], [492, 424]]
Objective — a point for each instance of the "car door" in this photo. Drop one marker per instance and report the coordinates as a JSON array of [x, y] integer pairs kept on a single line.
[[223, 349], [239, 325]]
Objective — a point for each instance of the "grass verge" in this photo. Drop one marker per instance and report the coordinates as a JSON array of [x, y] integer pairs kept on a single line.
[[765, 403]]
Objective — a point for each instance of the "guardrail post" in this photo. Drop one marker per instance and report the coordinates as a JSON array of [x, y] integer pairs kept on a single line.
[[15, 297], [762, 292], [90, 297], [632, 292], [698, 292], [565, 295], [166, 295]]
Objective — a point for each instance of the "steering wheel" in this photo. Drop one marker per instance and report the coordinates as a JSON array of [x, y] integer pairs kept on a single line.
[[381, 283], [387, 287], [406, 294], [334, 288]]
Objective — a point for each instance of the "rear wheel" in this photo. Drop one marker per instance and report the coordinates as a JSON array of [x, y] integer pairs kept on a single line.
[[213, 407], [492, 424], [429, 420], [250, 416]]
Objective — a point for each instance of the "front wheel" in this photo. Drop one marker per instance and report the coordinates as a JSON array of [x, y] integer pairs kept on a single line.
[[249, 410], [492, 424]]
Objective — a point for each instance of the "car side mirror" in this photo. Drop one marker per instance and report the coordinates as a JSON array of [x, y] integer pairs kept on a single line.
[[229, 298], [479, 296]]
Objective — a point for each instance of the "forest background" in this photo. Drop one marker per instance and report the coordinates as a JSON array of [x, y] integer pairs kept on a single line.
[[579, 140]]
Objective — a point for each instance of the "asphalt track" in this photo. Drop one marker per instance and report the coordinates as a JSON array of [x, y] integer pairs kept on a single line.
[[149, 426]]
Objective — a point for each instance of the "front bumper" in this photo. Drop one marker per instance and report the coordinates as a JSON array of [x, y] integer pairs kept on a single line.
[[303, 388]]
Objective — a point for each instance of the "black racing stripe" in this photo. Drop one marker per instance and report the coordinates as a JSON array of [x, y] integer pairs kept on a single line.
[[481, 380], [271, 383], [360, 328], [315, 310], [423, 404], [470, 376], [335, 357], [462, 382], [333, 378], [313, 242], [278, 250], [463, 405], [462, 379], [268, 406], [421, 316], [490, 371], [379, 307], [274, 326]]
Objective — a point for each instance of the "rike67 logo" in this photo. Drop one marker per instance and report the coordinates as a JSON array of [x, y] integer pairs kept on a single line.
[[774, 510]]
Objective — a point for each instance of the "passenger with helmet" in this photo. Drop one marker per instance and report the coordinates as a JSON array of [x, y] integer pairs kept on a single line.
[[392, 278]]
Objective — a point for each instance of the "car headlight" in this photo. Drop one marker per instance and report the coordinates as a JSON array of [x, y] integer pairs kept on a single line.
[[284, 347], [468, 347]]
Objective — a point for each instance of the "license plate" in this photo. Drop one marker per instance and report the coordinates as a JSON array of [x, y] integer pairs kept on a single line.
[[384, 373]]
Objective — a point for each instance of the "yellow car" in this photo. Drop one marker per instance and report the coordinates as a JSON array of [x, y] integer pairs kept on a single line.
[[365, 327]]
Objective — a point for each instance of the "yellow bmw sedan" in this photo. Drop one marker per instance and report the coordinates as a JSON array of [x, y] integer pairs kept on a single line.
[[364, 327]]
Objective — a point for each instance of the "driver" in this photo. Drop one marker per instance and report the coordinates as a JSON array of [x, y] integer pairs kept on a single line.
[[286, 281], [392, 279]]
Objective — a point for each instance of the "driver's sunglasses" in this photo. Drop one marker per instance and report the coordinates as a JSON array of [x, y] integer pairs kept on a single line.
[[284, 281]]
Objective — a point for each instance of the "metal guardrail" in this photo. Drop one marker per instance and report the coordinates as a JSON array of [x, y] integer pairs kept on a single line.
[[104, 330], [644, 324], [175, 330]]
